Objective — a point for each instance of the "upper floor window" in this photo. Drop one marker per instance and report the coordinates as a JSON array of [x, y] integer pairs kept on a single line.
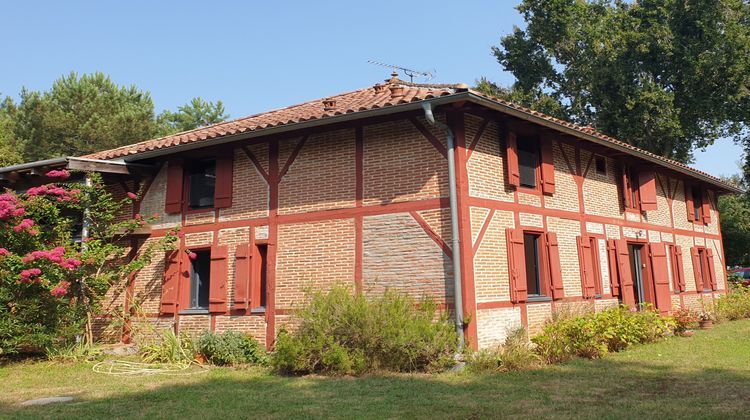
[[697, 203], [201, 178], [528, 161]]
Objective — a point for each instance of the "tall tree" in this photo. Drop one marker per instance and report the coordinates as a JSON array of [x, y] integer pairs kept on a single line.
[[664, 75], [80, 115], [735, 225], [9, 152], [197, 113]]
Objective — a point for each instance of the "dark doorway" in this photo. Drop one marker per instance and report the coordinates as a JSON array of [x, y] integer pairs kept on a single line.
[[636, 267]]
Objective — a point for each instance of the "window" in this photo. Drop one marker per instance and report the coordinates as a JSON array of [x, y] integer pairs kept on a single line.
[[200, 278], [601, 165], [533, 264], [528, 161], [697, 203], [630, 188], [705, 272], [201, 184]]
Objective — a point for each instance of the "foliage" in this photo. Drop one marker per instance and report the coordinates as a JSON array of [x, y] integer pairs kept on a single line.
[[684, 319], [666, 76], [73, 353], [79, 115], [514, 355], [341, 333], [735, 226], [595, 334], [169, 348], [735, 304], [51, 285], [198, 113], [9, 151], [230, 348]]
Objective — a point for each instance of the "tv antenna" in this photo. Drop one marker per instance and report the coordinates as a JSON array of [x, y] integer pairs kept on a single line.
[[428, 75]]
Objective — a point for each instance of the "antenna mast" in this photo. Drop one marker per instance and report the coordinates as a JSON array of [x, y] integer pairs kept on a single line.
[[428, 75]]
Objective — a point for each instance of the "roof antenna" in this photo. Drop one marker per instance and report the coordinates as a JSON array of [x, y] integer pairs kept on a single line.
[[428, 75]]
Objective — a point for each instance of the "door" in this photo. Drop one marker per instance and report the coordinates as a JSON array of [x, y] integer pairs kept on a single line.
[[637, 270]]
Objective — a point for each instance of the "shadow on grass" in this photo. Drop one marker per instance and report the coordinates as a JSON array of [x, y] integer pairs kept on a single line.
[[581, 389]]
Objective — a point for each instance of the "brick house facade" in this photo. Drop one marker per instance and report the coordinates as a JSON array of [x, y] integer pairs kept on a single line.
[[354, 190]]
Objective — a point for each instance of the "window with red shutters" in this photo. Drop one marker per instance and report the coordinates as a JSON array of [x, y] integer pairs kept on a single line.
[[660, 274], [242, 266], [698, 203], [625, 274], [530, 162], [511, 159], [614, 275], [705, 207], [548, 166], [555, 269], [170, 285], [710, 268], [534, 261], [224, 180], [678, 269], [647, 190], [517, 265], [586, 261], [173, 201], [219, 271]]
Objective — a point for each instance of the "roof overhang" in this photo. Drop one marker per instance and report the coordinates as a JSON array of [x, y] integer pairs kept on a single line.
[[41, 167]]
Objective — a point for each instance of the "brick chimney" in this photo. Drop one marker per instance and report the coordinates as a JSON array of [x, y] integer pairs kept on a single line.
[[329, 104]]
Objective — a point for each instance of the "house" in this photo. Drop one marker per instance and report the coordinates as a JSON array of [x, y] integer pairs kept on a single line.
[[417, 188]]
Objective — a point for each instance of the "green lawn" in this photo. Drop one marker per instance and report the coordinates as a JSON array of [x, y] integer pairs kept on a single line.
[[707, 376]]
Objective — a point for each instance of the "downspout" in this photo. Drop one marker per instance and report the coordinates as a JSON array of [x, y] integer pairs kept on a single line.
[[457, 292]]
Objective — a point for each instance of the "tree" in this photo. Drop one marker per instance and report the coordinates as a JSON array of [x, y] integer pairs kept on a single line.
[[664, 75], [9, 153], [81, 115], [198, 113], [735, 225]]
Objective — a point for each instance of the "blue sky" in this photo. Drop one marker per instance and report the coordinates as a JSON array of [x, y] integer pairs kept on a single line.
[[256, 56]]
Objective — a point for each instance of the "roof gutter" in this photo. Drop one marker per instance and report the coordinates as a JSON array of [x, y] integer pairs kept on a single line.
[[489, 103]]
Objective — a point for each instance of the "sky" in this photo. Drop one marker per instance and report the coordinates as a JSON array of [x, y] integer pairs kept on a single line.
[[257, 56]]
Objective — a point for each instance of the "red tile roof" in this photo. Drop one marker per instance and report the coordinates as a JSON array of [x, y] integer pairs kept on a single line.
[[375, 97]]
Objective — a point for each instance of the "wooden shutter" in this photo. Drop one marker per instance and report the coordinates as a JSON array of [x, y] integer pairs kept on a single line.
[[586, 264], [711, 268], [242, 264], [614, 274], [224, 180], [695, 256], [217, 285], [659, 270], [689, 203], [511, 160], [517, 264], [647, 190], [680, 268], [173, 202], [626, 196], [706, 208], [555, 269], [171, 282], [548, 166], [626, 275]]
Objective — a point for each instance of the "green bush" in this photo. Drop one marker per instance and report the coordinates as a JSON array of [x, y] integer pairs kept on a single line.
[[341, 333], [595, 334], [735, 304], [230, 348], [169, 348], [514, 355]]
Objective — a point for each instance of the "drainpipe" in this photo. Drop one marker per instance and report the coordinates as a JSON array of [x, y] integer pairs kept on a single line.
[[457, 292]]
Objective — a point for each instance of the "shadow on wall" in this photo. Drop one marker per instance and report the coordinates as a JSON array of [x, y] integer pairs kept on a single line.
[[581, 389]]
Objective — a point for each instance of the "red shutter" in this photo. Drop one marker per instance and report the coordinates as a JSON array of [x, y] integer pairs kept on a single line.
[[706, 208], [680, 268], [548, 166], [626, 196], [626, 275], [660, 272], [224, 180], [586, 263], [242, 263], [217, 285], [614, 275], [711, 268], [647, 190], [555, 269], [511, 161], [173, 203], [517, 264], [171, 282], [689, 203], [697, 268]]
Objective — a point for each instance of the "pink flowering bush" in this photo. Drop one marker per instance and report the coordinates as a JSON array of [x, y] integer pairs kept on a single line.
[[51, 281]]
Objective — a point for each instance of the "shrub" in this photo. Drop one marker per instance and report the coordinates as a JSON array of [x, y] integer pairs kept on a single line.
[[230, 348], [735, 304], [684, 319], [514, 355], [169, 348], [341, 333], [593, 335]]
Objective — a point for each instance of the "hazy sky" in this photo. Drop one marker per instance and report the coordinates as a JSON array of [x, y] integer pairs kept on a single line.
[[256, 57]]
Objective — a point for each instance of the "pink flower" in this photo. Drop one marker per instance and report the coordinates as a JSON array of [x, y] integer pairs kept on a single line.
[[180, 234], [192, 255], [25, 224], [4, 251], [61, 289], [155, 215], [61, 174], [132, 195], [88, 239]]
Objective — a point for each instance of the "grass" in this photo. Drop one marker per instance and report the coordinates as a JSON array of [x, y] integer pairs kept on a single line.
[[704, 376]]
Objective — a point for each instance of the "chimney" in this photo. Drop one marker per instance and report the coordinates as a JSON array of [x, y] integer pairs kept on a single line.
[[329, 104], [396, 91], [378, 88]]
